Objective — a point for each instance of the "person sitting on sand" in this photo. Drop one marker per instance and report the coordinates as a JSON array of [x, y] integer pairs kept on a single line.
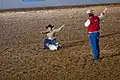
[[50, 42]]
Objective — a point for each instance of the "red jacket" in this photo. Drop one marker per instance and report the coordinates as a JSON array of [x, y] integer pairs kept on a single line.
[[94, 24]]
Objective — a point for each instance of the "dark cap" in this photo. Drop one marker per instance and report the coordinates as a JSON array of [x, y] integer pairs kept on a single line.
[[49, 26]]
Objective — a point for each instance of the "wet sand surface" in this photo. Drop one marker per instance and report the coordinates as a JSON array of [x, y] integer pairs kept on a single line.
[[22, 56]]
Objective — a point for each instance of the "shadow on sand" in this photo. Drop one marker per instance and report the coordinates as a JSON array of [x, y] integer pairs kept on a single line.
[[82, 42], [107, 35], [114, 55]]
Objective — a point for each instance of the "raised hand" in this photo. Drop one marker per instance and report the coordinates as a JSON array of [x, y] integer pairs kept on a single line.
[[105, 10], [63, 25]]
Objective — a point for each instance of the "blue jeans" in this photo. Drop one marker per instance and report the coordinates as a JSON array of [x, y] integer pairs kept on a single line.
[[48, 41], [94, 43]]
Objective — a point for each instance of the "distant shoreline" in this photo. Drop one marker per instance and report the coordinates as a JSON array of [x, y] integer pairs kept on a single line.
[[57, 7]]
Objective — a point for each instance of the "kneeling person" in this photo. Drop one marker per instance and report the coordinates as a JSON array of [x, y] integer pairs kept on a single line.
[[50, 42]]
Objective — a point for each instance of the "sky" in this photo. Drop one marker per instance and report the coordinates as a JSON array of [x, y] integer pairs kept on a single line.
[[7, 4]]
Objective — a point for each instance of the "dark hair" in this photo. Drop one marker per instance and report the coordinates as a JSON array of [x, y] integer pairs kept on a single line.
[[49, 26]]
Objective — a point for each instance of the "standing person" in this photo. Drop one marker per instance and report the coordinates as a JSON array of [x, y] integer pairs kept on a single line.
[[50, 42], [93, 30]]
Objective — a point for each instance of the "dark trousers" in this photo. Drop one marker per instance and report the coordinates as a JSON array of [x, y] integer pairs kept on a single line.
[[94, 43], [48, 41]]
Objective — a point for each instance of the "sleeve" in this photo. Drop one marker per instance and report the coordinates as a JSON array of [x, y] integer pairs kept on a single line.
[[101, 16], [87, 23]]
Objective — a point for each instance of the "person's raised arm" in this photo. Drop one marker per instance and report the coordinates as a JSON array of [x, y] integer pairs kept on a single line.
[[57, 30], [103, 13]]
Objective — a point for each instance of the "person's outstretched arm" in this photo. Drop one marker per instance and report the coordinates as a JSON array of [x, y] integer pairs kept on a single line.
[[44, 32], [103, 13], [59, 29]]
